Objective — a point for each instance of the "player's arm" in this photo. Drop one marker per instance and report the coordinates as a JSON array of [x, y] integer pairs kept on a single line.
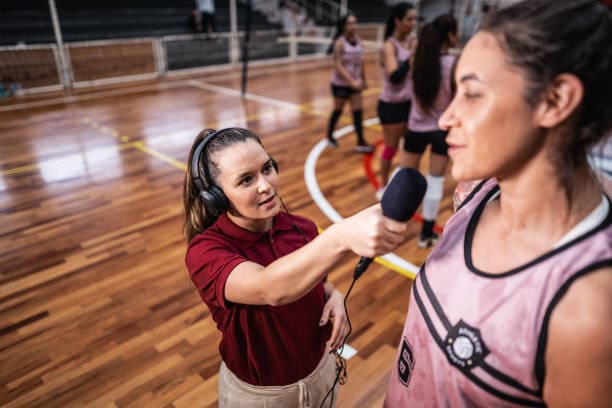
[[579, 348]]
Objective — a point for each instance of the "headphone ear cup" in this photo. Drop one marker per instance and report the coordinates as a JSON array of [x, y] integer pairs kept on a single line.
[[274, 164], [214, 200], [208, 200], [221, 201]]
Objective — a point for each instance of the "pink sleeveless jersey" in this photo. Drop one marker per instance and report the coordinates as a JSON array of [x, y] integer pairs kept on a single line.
[[422, 120], [351, 60], [474, 339], [394, 93]]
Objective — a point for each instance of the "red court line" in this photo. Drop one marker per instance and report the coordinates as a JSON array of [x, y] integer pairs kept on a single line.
[[367, 167]]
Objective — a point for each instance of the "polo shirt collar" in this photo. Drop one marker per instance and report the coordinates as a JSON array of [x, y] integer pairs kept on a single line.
[[281, 222]]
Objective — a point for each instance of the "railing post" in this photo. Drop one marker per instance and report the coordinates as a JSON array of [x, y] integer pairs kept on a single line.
[[65, 71], [161, 64], [233, 39], [292, 44]]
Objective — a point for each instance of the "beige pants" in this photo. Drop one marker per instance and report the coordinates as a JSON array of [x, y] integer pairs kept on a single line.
[[306, 393]]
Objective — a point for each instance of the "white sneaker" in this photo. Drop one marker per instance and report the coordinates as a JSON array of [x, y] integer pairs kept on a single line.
[[380, 192]]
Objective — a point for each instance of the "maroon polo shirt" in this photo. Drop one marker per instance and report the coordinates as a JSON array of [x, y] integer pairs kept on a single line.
[[262, 345]]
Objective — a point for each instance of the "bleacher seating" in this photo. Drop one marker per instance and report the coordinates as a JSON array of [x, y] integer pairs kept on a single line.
[[369, 11], [30, 21]]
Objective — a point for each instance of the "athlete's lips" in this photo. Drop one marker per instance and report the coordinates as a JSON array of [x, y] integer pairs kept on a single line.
[[453, 146]]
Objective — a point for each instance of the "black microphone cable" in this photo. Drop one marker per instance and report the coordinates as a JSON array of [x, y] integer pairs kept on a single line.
[[341, 368]]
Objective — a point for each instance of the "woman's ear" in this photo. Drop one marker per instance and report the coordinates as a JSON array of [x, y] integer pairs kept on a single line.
[[560, 100]]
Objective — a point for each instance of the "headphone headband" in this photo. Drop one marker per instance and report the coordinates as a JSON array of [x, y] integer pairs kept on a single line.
[[202, 183]]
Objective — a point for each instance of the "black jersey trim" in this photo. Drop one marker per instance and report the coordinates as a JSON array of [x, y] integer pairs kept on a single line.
[[472, 194], [430, 325], [506, 379], [434, 301], [540, 363], [473, 222], [467, 372], [509, 380], [500, 394]]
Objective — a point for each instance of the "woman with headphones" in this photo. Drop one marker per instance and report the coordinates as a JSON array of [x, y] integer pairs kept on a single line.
[[262, 272]]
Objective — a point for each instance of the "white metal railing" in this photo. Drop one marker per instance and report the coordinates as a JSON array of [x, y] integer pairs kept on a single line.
[[98, 62]]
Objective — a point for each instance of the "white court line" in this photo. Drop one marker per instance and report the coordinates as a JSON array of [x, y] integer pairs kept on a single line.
[[252, 97], [391, 260], [94, 95]]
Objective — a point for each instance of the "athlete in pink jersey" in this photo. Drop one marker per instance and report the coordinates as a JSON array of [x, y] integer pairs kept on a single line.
[[513, 306], [394, 101], [348, 80], [431, 82]]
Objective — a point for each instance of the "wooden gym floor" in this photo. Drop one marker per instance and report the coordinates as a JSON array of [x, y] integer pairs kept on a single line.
[[96, 307]]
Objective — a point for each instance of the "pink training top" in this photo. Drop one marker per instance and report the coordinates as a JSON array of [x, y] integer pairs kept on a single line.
[[351, 60], [402, 92], [474, 339], [422, 120]]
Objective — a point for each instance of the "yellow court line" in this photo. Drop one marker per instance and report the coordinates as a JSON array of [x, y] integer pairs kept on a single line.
[[161, 156], [395, 268], [34, 166]]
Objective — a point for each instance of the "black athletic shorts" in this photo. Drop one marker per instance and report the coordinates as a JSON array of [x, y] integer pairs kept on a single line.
[[416, 142], [393, 112], [343, 92]]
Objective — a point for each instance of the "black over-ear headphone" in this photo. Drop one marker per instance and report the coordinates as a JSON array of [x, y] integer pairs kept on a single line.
[[214, 200]]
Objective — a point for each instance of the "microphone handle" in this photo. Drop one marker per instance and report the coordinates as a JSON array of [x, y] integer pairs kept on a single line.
[[361, 267]]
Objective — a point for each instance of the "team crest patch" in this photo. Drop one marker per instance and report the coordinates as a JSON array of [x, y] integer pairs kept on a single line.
[[464, 346], [405, 363]]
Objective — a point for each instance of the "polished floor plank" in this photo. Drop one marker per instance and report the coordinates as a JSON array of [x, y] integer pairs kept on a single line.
[[96, 307]]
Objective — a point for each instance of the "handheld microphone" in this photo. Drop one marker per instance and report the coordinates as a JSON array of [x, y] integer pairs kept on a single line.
[[400, 201]]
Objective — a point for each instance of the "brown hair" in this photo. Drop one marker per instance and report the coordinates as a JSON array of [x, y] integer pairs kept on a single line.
[[546, 38]]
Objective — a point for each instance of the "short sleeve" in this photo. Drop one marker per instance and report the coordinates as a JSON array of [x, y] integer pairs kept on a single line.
[[209, 265]]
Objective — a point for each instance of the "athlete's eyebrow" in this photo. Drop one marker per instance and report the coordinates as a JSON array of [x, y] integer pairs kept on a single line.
[[470, 77]]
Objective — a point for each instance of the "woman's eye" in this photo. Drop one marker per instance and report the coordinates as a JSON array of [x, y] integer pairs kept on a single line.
[[267, 168], [247, 180], [471, 95]]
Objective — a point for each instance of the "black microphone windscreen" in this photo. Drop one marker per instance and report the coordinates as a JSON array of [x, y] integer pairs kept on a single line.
[[403, 194]]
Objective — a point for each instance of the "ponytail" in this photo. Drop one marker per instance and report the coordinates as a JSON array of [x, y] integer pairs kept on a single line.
[[426, 68], [196, 219]]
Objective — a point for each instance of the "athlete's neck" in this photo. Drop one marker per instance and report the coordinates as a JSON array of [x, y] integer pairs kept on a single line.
[[399, 36]]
